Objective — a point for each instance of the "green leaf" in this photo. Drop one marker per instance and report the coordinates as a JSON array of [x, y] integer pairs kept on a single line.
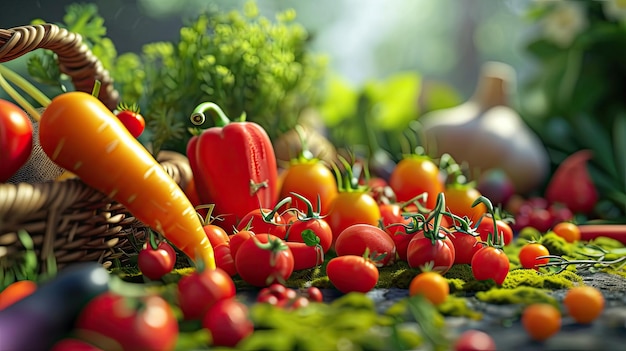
[[595, 138]]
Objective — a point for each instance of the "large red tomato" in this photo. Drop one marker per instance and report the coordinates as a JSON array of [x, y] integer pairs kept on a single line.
[[16, 139], [264, 259]]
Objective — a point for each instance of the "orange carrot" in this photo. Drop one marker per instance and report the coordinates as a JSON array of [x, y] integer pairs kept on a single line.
[[81, 135]]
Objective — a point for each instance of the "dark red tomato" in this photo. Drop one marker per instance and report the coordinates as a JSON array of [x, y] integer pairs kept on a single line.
[[169, 248], [352, 207], [235, 241], [318, 226], [198, 291], [352, 273], [16, 139], [422, 252], [224, 259], [528, 255], [465, 246], [133, 121], [402, 240], [359, 238], [474, 340], [70, 344], [264, 259], [315, 294], [310, 179], [263, 221], [415, 175], [490, 263], [110, 315], [305, 256], [155, 263], [216, 234], [228, 321], [485, 227]]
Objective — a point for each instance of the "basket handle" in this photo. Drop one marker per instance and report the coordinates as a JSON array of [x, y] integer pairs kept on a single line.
[[74, 56]]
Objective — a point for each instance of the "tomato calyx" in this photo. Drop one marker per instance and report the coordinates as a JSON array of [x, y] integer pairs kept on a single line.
[[350, 179], [274, 246], [310, 212]]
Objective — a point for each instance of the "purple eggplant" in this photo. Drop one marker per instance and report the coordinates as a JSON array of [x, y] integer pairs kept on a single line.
[[37, 321]]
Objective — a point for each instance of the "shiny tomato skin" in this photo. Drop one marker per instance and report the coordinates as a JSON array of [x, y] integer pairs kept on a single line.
[[352, 207], [133, 121], [414, 175], [528, 255], [111, 316], [304, 256], [310, 179], [465, 246], [198, 291], [485, 227], [235, 240], [16, 139], [263, 266], [358, 238], [352, 273], [216, 234], [228, 321], [319, 226], [490, 263], [224, 259], [474, 340], [459, 199], [422, 251], [155, 263]]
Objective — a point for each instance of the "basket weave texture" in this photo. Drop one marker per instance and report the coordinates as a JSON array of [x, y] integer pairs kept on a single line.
[[68, 220]]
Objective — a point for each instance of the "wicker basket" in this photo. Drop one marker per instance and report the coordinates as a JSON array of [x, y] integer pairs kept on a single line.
[[68, 220]]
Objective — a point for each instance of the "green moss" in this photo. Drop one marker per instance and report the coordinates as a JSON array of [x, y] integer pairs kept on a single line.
[[519, 295], [532, 278], [529, 234], [457, 306], [557, 245], [461, 279]]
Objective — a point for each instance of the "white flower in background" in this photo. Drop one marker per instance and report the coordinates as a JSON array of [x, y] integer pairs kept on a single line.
[[566, 20], [615, 9]]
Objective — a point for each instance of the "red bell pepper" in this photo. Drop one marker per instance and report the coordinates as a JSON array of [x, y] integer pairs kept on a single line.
[[234, 166]]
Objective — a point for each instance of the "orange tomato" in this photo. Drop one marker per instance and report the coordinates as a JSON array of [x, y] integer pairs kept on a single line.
[[584, 303], [432, 285], [352, 207], [541, 321], [568, 231], [459, 200], [309, 178], [16, 291], [415, 175]]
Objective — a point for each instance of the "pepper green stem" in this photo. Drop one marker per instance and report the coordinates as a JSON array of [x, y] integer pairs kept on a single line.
[[198, 117]]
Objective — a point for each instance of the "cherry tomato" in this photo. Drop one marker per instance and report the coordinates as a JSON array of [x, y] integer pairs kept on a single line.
[[402, 240], [133, 121], [415, 175], [568, 231], [16, 139], [132, 325], [528, 255], [264, 259], [423, 251], [216, 234], [310, 179], [584, 303], [155, 263], [228, 321], [541, 321], [490, 263], [432, 285], [319, 227], [392, 218], [459, 200], [235, 240], [474, 340], [264, 221], [359, 238], [224, 259], [352, 207], [315, 294], [16, 291], [198, 291], [465, 246], [352, 273], [485, 227]]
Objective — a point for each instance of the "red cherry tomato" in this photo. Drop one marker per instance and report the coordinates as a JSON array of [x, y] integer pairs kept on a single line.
[[155, 263], [133, 121], [474, 340], [490, 263], [110, 315], [228, 322], [392, 218], [423, 251], [224, 259], [16, 139], [198, 291], [485, 227], [264, 259], [352, 207], [237, 239], [528, 255], [216, 234], [318, 226], [359, 238], [305, 256], [465, 246], [352, 273]]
